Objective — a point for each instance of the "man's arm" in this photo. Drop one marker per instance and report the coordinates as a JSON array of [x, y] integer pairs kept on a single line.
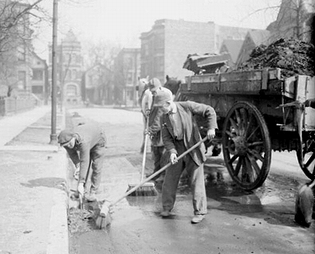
[[73, 156], [155, 120], [206, 111], [84, 149], [310, 103]]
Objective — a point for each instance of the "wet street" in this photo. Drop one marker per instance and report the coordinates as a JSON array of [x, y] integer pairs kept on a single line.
[[261, 221]]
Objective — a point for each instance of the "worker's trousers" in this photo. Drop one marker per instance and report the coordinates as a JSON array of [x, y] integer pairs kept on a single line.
[[97, 159], [197, 182]]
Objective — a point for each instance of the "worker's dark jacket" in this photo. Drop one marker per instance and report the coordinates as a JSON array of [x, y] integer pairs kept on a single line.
[[186, 111], [90, 143], [155, 123]]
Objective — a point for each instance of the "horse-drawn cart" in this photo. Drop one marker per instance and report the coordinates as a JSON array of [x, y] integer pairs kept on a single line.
[[258, 111]]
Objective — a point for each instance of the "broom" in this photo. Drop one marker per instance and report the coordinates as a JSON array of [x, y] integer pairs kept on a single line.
[[104, 218], [148, 188]]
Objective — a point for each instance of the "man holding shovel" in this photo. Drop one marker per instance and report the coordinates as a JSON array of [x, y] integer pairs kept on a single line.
[[180, 132], [85, 145]]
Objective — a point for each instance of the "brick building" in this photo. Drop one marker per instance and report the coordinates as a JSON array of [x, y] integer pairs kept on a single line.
[[166, 46]]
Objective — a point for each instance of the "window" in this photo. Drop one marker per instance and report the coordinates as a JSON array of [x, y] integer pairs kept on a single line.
[[21, 53], [71, 90], [38, 75], [68, 76], [146, 49], [37, 89], [74, 58], [22, 80], [159, 64], [74, 74], [129, 78]]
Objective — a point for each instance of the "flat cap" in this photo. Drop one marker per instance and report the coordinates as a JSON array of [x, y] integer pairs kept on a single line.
[[162, 95], [65, 136]]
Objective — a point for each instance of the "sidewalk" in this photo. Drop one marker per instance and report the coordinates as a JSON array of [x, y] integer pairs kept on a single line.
[[33, 192]]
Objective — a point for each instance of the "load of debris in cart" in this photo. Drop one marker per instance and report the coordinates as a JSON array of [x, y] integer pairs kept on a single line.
[[292, 56]]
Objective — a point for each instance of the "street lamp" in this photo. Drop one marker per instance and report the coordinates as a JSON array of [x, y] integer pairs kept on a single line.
[[53, 135]]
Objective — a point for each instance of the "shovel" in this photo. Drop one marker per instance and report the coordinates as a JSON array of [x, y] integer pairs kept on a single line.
[[104, 218]]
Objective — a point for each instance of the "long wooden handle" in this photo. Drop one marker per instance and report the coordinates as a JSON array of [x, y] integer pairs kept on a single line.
[[158, 172], [144, 150]]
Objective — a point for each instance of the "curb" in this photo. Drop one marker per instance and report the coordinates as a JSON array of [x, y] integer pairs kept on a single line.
[[58, 227]]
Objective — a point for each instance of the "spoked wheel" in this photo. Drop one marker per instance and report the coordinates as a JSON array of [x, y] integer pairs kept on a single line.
[[306, 155], [246, 145]]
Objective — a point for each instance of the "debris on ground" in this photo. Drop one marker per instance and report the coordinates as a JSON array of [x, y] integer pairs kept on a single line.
[[78, 220], [292, 56]]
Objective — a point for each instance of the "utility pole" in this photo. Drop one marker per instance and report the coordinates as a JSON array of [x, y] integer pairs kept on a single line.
[[53, 135]]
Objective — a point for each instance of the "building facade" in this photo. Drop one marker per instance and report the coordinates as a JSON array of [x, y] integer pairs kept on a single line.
[[39, 77], [166, 46], [126, 75], [69, 72]]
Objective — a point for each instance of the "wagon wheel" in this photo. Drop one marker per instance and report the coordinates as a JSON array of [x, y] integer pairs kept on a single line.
[[246, 145], [306, 155]]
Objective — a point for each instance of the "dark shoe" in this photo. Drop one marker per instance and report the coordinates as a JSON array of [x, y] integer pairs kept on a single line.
[[197, 218], [165, 213], [90, 197]]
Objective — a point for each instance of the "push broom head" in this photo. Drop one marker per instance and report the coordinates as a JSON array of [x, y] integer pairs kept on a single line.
[[104, 219], [147, 189]]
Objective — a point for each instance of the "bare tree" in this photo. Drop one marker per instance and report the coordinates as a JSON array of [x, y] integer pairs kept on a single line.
[[100, 57], [16, 22], [292, 20], [15, 26]]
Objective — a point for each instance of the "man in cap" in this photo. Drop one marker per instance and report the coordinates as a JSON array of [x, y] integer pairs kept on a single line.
[[85, 145], [180, 132], [157, 146]]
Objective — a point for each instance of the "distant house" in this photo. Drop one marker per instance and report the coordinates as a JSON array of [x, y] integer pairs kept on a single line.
[[96, 85], [39, 84], [253, 39], [232, 47]]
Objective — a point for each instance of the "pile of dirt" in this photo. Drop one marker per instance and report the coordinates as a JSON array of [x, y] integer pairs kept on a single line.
[[292, 56]]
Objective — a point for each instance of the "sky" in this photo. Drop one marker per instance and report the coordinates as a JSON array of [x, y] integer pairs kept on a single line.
[[123, 21]]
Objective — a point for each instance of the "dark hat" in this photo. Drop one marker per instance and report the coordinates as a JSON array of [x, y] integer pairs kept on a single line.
[[65, 136], [162, 95]]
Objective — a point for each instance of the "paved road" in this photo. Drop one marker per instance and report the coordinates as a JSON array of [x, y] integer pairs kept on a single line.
[[237, 222]]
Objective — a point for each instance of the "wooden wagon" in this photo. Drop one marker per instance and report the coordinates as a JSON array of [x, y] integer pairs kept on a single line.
[[258, 111]]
